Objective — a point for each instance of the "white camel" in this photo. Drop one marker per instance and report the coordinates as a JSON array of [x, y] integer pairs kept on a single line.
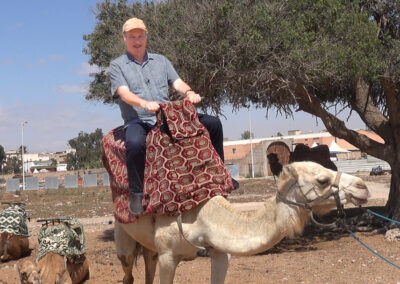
[[217, 225]]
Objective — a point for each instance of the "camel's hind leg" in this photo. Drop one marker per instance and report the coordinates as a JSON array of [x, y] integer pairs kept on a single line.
[[127, 251], [150, 263], [219, 266]]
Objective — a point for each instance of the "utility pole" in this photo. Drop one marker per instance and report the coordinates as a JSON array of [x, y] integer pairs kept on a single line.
[[251, 147], [22, 154]]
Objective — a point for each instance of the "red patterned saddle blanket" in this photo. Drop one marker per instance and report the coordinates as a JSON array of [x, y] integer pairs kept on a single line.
[[182, 167]]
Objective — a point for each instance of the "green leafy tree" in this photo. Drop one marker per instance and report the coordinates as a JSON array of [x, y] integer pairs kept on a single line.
[[53, 162], [88, 151], [13, 165], [317, 56], [2, 157], [246, 135]]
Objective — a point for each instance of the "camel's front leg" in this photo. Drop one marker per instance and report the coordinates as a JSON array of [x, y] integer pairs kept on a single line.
[[167, 264], [125, 246], [219, 266], [150, 264]]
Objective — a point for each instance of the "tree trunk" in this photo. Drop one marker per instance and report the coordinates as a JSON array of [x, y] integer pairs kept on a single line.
[[393, 203]]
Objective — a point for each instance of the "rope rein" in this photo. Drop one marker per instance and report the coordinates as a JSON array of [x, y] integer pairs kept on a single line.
[[179, 221], [372, 250], [308, 205], [368, 247], [341, 215], [383, 217]]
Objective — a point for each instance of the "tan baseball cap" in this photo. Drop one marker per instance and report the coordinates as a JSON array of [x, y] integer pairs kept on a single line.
[[133, 23]]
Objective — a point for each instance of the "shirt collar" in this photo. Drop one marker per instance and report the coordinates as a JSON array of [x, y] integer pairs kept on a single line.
[[147, 57]]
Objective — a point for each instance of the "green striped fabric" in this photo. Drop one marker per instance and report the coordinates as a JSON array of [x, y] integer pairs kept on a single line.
[[13, 220]]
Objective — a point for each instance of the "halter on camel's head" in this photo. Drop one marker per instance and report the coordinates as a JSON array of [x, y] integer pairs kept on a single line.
[[317, 189]]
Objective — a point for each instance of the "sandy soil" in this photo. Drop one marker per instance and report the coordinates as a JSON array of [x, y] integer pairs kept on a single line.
[[317, 256]]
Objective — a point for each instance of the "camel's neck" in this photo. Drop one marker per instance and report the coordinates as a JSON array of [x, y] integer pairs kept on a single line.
[[247, 233]]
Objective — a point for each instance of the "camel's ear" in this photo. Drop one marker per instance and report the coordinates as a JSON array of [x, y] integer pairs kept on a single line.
[[289, 171], [288, 177]]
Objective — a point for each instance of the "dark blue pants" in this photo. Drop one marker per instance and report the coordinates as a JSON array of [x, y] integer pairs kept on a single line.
[[135, 143]]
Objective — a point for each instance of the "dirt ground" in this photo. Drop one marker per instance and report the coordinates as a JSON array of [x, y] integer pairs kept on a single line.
[[317, 256]]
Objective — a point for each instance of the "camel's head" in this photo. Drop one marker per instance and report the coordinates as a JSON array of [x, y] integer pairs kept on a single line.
[[4, 236], [28, 272], [312, 184]]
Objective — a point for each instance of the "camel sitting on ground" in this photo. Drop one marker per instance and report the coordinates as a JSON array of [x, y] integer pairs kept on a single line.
[[14, 242], [13, 246], [52, 269], [304, 188], [61, 257]]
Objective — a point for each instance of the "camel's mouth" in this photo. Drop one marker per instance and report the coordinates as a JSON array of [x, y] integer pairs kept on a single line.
[[358, 201], [360, 198], [358, 194]]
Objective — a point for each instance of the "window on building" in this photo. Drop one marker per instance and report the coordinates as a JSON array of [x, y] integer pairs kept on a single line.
[[234, 150]]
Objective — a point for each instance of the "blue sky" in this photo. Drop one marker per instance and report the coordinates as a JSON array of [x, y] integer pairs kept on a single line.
[[44, 76]]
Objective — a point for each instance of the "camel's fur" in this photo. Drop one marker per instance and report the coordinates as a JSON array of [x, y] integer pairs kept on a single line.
[[226, 230], [13, 246], [28, 272], [53, 269]]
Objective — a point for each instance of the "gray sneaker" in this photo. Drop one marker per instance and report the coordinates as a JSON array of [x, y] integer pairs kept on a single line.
[[235, 184], [135, 204]]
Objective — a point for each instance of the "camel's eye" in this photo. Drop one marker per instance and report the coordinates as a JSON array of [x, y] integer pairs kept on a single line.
[[323, 181]]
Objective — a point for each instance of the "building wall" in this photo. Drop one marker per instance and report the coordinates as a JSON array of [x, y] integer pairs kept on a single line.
[[245, 162], [242, 155], [327, 140], [260, 161]]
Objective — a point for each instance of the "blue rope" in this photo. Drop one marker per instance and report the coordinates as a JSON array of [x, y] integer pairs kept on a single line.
[[383, 217], [373, 251]]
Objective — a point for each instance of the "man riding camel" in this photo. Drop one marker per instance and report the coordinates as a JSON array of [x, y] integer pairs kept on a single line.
[[140, 80]]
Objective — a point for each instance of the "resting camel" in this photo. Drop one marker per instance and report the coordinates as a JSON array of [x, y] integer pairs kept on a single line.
[[319, 154], [304, 188], [14, 242], [13, 246], [53, 269], [61, 257]]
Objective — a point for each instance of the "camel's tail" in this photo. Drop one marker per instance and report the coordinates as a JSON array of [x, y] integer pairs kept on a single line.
[[137, 253]]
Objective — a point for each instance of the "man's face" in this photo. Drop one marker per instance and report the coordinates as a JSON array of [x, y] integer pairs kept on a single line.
[[135, 41]]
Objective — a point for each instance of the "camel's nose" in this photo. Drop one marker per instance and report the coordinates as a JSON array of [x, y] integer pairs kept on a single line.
[[361, 190]]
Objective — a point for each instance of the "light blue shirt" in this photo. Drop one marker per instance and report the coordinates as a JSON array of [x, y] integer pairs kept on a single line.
[[148, 80]]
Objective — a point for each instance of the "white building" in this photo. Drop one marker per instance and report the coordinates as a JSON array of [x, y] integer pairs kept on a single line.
[[61, 167]]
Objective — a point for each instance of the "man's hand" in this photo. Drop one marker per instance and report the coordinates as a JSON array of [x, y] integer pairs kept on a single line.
[[193, 97], [150, 106]]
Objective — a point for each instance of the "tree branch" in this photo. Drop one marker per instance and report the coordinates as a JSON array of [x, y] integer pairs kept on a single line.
[[368, 112], [392, 94], [311, 104], [392, 98]]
